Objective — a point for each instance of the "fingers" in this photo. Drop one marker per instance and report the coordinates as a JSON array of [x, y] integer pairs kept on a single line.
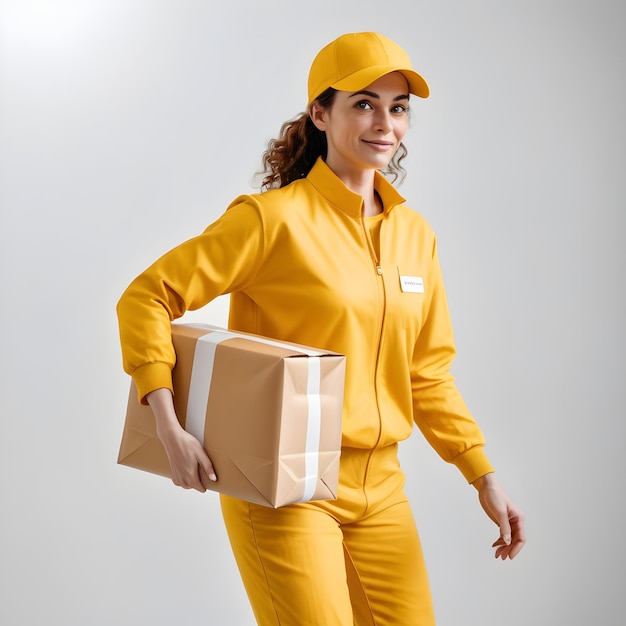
[[207, 466], [189, 480], [198, 477], [507, 551], [206, 470], [194, 469], [516, 540], [501, 549], [505, 529]]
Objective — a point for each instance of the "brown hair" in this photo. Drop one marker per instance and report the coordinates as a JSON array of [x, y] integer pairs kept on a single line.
[[299, 144]]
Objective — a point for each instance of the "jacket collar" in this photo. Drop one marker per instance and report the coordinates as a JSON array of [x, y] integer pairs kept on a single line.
[[329, 185]]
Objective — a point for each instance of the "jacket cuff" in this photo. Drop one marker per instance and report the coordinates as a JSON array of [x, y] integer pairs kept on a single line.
[[473, 464], [152, 376]]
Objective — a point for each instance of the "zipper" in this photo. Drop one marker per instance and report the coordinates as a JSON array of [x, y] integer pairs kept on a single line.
[[381, 287], [370, 247]]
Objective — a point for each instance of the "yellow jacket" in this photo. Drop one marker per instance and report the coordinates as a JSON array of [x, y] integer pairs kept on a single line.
[[300, 266]]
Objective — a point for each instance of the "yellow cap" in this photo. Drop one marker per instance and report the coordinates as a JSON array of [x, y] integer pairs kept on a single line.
[[354, 61]]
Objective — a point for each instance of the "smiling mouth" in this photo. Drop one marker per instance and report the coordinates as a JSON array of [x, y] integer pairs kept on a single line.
[[379, 145]]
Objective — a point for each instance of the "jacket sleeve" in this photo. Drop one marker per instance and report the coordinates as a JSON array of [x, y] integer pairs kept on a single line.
[[439, 410], [224, 258]]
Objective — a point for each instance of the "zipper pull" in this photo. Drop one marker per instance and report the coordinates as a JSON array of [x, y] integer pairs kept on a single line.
[[379, 270]]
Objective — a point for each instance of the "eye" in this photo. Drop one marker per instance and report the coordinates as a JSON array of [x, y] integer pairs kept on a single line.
[[364, 105], [399, 109]]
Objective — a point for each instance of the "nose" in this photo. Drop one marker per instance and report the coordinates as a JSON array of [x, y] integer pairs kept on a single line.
[[382, 121]]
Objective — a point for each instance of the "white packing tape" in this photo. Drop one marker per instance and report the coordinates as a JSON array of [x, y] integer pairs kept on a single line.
[[200, 383], [313, 429]]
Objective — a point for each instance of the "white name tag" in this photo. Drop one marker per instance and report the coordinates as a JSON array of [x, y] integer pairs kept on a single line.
[[412, 284]]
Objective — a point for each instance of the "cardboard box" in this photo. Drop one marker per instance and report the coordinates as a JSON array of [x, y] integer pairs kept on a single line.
[[268, 413]]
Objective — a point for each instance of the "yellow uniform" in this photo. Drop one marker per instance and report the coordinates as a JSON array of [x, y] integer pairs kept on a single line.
[[303, 265]]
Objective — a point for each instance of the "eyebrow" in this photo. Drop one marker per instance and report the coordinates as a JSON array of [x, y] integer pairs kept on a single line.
[[372, 94]]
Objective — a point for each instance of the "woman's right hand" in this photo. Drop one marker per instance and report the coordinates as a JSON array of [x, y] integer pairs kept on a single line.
[[188, 459]]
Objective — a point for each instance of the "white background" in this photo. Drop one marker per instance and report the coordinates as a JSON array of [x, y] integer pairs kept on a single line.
[[126, 126]]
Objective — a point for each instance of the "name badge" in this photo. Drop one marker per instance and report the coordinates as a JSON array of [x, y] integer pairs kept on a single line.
[[412, 284]]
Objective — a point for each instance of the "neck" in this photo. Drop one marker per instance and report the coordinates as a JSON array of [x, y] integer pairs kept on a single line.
[[361, 182], [372, 205]]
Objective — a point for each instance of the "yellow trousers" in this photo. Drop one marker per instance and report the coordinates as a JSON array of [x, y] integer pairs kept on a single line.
[[354, 560]]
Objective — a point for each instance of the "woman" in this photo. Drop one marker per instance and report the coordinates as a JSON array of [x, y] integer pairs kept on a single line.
[[330, 256]]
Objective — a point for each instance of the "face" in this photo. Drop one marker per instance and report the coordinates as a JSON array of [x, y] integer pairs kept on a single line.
[[365, 128]]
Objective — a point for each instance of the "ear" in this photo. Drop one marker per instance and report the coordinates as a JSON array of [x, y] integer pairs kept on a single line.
[[318, 115]]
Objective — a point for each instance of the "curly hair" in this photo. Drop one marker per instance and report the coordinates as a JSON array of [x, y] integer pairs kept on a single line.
[[299, 144]]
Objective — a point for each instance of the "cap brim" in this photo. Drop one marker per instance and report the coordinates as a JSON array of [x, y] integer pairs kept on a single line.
[[359, 80]]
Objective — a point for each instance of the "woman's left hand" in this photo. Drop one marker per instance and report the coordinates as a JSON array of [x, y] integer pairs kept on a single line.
[[504, 513]]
